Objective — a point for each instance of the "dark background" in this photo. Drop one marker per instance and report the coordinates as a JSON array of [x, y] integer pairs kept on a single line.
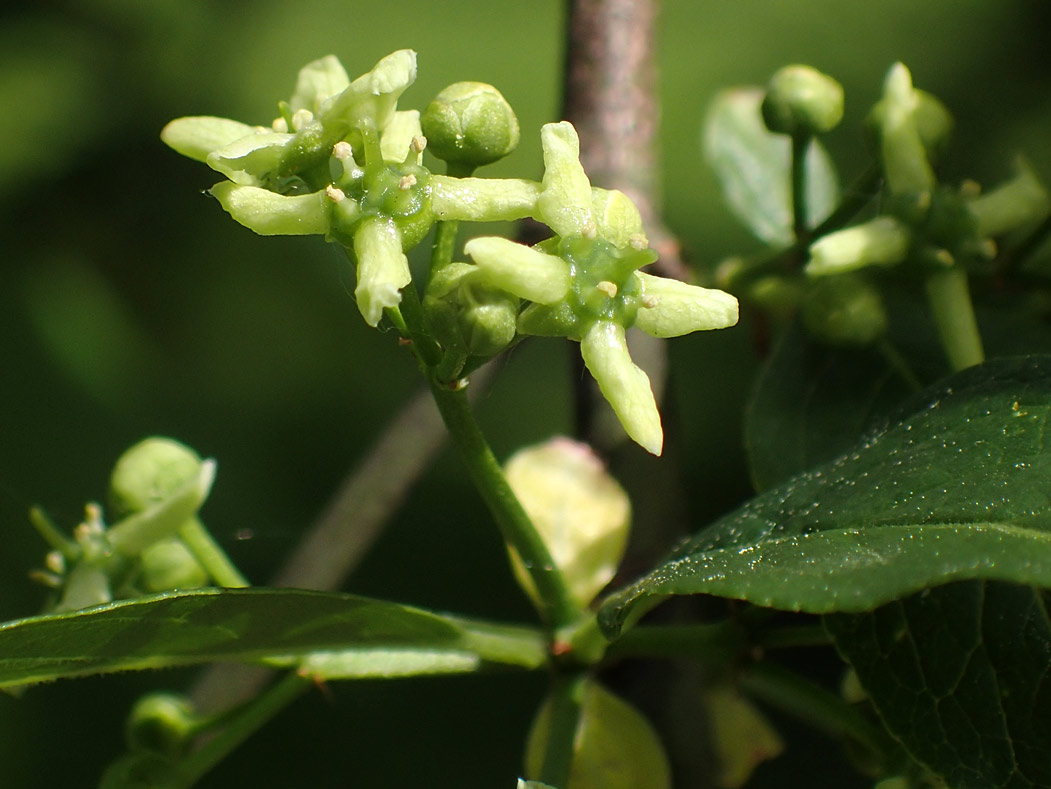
[[131, 305]]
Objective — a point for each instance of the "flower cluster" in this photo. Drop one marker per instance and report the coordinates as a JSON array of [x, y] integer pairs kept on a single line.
[[343, 162]]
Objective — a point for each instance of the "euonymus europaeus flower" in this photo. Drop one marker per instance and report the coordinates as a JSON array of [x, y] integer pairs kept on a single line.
[[932, 224], [584, 283], [156, 488], [343, 162]]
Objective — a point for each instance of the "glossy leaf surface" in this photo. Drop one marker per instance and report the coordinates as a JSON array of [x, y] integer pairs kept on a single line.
[[953, 489], [330, 635]]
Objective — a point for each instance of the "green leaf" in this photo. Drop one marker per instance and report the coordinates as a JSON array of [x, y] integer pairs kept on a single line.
[[960, 675], [811, 402], [330, 635], [954, 489], [753, 166]]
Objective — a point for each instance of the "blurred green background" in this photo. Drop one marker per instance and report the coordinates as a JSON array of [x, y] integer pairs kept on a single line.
[[133, 306]]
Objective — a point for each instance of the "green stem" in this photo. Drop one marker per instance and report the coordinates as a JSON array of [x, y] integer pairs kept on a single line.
[[444, 244], [210, 555], [950, 300], [557, 605], [820, 707], [243, 722], [710, 643], [800, 146], [567, 697]]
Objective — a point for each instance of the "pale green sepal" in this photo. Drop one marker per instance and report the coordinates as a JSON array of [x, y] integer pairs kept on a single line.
[[247, 160], [317, 82], [483, 199], [1019, 202], [383, 269], [372, 97], [565, 201], [270, 214], [520, 270], [683, 308], [196, 137], [882, 241], [397, 137], [623, 384], [905, 161], [617, 217]]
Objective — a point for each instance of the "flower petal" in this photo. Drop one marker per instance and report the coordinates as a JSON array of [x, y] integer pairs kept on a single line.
[[372, 97], [565, 201], [248, 160], [682, 308], [383, 269], [198, 136], [882, 241], [623, 384], [271, 214], [520, 270], [399, 134], [617, 217], [317, 82], [488, 199]]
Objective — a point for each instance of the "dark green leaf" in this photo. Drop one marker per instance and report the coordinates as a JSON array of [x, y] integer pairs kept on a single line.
[[954, 489], [961, 675], [754, 167], [811, 403], [331, 635]]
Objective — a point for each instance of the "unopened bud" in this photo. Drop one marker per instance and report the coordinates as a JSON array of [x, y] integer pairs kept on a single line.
[[149, 472], [470, 124], [844, 310], [802, 100]]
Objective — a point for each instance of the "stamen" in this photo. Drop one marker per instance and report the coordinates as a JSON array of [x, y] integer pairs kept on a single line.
[[55, 562], [590, 231], [638, 241], [418, 143], [407, 182], [301, 118], [280, 125], [649, 302], [335, 194], [607, 287], [342, 150]]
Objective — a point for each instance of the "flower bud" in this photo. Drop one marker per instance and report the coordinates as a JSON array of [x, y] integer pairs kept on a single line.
[[802, 100], [466, 315], [844, 310], [882, 241], [161, 723], [470, 124], [615, 747], [168, 564], [149, 472], [580, 511]]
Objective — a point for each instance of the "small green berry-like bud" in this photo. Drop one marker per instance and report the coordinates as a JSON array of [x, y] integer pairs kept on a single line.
[[160, 723], [844, 310], [149, 472], [802, 100], [470, 124], [168, 564]]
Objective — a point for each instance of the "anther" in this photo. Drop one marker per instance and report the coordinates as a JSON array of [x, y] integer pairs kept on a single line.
[[335, 194], [649, 302], [407, 182], [342, 150], [607, 287]]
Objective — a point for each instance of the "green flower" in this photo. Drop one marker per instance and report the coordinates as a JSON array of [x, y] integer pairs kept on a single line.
[[585, 283], [343, 162]]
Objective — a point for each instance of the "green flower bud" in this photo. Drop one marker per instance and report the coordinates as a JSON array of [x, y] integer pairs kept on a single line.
[[776, 295], [580, 511], [883, 241], [467, 316], [802, 100], [150, 472], [615, 747], [844, 310], [470, 124], [1019, 202], [162, 724], [168, 564]]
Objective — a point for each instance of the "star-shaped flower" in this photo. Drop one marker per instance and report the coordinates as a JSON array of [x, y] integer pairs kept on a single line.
[[585, 283]]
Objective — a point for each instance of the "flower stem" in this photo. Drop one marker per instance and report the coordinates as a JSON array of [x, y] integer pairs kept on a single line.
[[812, 703], [567, 697], [800, 218], [242, 723], [557, 606], [950, 301], [211, 556]]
